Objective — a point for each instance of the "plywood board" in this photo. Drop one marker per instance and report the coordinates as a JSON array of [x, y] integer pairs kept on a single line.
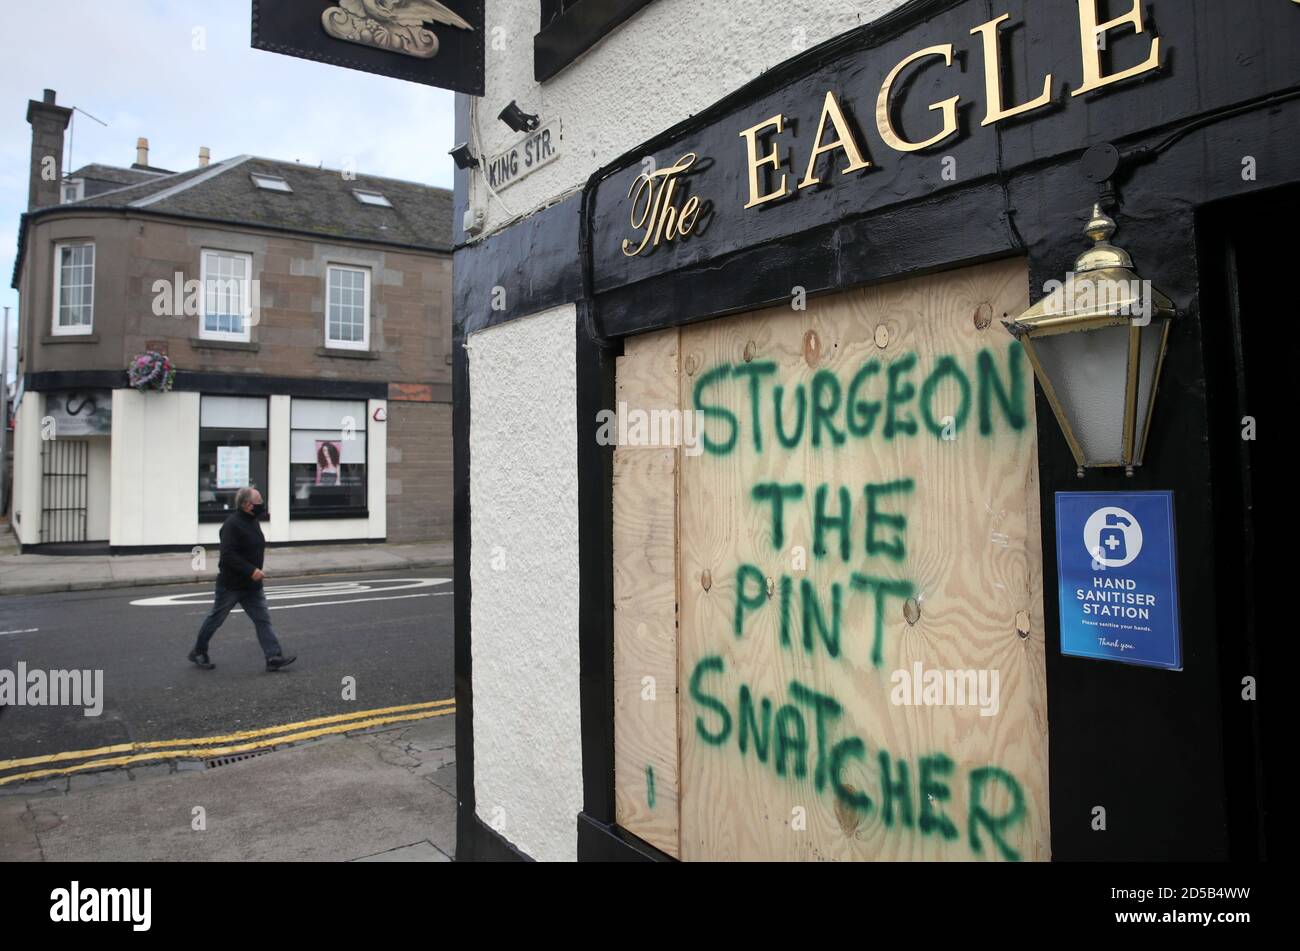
[[911, 496], [645, 595]]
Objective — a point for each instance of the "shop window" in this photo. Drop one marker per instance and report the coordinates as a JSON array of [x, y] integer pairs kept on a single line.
[[233, 452], [74, 288], [327, 459], [347, 308], [227, 303], [571, 27]]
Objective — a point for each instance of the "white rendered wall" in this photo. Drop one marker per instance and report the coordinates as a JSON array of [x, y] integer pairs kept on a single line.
[[666, 63], [27, 468], [279, 490], [99, 487], [377, 468], [155, 457], [524, 579]]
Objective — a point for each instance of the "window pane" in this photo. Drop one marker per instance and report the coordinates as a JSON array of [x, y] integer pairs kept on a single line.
[[346, 309], [225, 294], [327, 414], [327, 457], [74, 307], [215, 500], [232, 412], [304, 445], [325, 486]]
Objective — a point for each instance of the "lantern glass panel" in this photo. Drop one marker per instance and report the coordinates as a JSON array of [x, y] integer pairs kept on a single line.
[[1152, 336], [1089, 372]]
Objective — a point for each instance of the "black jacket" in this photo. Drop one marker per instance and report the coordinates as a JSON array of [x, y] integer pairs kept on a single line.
[[242, 549]]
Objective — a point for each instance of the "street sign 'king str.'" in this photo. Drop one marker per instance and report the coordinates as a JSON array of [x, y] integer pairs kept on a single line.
[[421, 41]]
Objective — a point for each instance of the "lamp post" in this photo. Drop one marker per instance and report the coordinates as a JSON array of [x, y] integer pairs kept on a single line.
[[1097, 344]]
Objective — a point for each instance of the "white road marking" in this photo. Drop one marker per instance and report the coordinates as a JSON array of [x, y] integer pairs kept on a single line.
[[30, 630], [323, 589], [327, 604]]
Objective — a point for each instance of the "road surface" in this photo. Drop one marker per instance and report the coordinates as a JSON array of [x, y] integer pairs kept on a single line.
[[390, 631]]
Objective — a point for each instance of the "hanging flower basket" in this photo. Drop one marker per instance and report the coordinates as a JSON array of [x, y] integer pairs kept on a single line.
[[151, 370]]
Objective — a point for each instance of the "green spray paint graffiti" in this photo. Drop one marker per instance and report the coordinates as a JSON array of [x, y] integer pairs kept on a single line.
[[837, 521], [778, 736], [747, 408], [883, 537], [826, 414], [818, 624]]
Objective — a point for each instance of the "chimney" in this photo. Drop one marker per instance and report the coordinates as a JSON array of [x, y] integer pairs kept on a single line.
[[141, 153], [48, 122], [205, 156]]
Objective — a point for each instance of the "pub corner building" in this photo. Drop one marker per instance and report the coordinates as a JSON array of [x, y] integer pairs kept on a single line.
[[852, 427]]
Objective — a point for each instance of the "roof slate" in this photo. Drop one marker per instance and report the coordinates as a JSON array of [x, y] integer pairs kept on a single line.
[[102, 178], [322, 201]]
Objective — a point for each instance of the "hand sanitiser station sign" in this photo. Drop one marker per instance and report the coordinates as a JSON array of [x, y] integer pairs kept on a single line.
[[1118, 577]]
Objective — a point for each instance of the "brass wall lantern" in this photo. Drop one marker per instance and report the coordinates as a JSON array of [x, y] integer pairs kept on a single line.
[[1097, 345]]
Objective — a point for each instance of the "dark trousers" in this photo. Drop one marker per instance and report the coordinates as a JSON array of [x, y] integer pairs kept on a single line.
[[253, 601]]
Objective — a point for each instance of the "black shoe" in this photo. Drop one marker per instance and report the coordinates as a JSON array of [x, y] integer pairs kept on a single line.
[[201, 661], [279, 662]]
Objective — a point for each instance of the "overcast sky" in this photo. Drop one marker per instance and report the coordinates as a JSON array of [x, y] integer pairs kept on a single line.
[[182, 74]]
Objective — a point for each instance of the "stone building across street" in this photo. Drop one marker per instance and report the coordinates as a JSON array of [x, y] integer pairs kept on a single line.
[[306, 314]]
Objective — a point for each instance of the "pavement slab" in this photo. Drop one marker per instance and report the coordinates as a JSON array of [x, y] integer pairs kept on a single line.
[[335, 799], [18, 840], [44, 574], [419, 852], [444, 778]]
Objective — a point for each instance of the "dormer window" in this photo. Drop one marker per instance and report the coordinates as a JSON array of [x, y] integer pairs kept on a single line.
[[371, 198], [74, 189], [271, 183]]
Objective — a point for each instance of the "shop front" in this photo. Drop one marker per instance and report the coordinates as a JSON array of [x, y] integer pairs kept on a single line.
[[926, 533], [127, 471]]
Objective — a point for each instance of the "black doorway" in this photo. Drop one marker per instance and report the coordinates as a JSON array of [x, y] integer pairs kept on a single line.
[[1246, 318]]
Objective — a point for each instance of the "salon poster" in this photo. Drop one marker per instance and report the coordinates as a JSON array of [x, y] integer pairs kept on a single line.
[[329, 456]]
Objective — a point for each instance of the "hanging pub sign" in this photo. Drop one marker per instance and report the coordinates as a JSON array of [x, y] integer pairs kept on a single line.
[[1118, 577], [421, 41]]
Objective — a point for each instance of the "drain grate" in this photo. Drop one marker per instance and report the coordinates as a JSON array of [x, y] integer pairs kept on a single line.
[[237, 758]]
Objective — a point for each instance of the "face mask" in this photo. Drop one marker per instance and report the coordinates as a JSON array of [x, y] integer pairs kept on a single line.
[[259, 510]]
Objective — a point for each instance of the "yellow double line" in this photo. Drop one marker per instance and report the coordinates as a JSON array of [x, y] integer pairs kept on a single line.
[[123, 754]]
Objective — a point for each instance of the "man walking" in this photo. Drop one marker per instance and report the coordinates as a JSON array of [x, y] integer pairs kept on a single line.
[[239, 581]]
